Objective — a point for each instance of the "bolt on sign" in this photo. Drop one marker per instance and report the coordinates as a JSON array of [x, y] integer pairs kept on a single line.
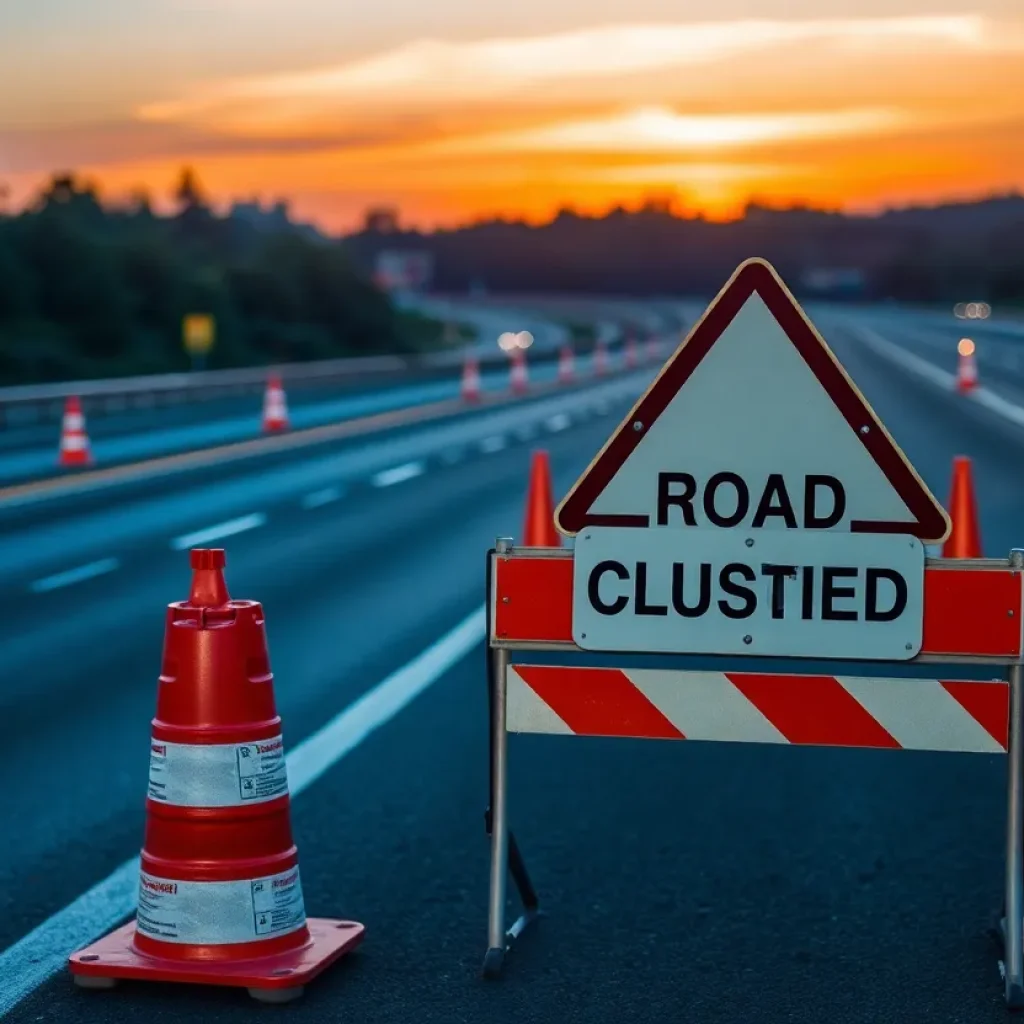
[[752, 502], [197, 333]]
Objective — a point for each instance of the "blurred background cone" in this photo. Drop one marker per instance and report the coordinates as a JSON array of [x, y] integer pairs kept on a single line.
[[74, 441], [565, 365], [539, 526], [275, 408], [964, 539], [967, 367], [471, 380], [518, 375]]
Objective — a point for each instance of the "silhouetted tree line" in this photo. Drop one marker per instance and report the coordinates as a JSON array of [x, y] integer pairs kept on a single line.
[[91, 290], [958, 252]]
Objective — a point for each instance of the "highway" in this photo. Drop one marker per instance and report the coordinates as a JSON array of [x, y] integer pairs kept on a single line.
[[682, 881]]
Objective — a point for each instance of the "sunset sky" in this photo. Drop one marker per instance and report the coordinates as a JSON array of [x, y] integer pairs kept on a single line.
[[458, 109]]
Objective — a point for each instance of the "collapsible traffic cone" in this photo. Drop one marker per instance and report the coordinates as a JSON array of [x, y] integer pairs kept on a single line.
[[470, 380], [539, 526], [964, 539], [600, 359], [275, 408], [967, 368], [74, 441], [518, 379], [220, 898], [565, 365]]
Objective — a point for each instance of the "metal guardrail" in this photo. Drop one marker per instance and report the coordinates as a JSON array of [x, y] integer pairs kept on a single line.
[[43, 402]]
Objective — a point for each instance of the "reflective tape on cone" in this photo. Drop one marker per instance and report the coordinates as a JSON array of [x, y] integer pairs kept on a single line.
[[219, 774], [220, 913]]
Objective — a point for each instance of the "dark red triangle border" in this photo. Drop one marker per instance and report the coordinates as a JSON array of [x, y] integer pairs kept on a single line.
[[930, 523]]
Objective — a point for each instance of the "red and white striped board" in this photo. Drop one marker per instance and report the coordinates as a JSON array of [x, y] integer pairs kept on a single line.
[[739, 707]]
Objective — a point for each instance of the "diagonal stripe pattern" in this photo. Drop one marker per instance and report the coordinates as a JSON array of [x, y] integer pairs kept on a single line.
[[841, 711]]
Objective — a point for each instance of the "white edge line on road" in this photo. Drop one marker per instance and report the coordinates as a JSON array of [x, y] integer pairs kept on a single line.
[[226, 529], [44, 951], [398, 474], [78, 575], [315, 499]]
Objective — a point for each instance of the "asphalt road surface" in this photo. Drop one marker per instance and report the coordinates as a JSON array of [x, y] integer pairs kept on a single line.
[[682, 881]]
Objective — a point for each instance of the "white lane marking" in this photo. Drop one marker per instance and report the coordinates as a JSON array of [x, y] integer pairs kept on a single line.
[[66, 579], [490, 445], [398, 474], [226, 529], [323, 497], [560, 421], [44, 951]]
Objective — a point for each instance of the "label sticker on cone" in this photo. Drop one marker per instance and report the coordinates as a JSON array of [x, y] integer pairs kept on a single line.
[[220, 913], [217, 775]]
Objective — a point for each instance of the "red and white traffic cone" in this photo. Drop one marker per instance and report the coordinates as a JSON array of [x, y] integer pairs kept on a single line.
[[470, 380], [600, 359], [518, 379], [275, 407], [74, 441], [565, 365], [967, 368], [631, 356], [539, 523], [220, 897]]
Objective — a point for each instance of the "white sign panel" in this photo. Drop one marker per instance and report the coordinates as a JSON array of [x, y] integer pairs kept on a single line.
[[749, 592]]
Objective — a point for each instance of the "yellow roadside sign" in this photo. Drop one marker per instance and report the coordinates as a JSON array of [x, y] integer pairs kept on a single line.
[[197, 333]]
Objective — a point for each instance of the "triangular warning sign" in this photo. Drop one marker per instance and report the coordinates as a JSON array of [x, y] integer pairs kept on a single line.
[[754, 393]]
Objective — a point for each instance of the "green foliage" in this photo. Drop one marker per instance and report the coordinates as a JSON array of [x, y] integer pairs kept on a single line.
[[91, 291]]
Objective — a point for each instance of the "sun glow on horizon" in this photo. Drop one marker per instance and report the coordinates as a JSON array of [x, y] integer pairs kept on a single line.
[[835, 111]]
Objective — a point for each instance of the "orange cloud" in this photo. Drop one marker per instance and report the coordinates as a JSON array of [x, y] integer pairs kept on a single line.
[[833, 110]]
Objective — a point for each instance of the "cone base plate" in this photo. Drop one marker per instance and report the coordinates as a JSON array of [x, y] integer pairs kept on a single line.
[[115, 957]]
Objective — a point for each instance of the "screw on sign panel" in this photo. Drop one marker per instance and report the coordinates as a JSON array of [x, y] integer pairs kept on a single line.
[[767, 513], [218, 812]]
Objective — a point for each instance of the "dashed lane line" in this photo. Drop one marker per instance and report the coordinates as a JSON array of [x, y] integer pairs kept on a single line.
[[325, 496], [398, 474], [219, 530], [71, 576], [490, 445]]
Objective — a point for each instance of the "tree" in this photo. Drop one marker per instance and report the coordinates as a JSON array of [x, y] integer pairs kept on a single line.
[[188, 192]]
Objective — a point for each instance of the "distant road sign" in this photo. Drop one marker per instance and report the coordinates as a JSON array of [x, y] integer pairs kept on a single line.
[[752, 502], [197, 333]]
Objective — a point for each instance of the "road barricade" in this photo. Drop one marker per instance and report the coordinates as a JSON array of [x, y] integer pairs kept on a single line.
[[973, 614]]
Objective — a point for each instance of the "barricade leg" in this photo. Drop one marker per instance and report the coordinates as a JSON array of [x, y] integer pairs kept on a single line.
[[1013, 951], [506, 857]]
